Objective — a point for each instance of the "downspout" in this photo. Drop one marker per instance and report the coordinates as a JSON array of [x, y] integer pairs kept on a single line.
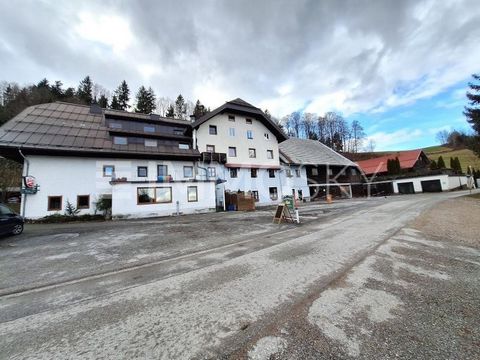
[[24, 202]]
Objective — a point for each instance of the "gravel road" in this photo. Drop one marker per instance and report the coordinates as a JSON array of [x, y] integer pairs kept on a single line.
[[361, 284]]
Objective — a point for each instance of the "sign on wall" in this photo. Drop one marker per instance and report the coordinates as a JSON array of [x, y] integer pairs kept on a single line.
[[30, 185]]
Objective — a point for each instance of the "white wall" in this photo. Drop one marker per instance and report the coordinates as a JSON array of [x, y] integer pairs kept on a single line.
[[124, 200], [72, 176], [447, 182], [223, 140], [457, 181], [294, 182]]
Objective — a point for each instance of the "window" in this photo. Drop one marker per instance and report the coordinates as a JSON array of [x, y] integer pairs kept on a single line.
[[297, 172], [108, 170], [231, 118], [253, 173], [300, 194], [252, 153], [149, 128], [249, 134], [150, 142], [142, 171], [211, 172], [54, 203], [231, 131], [188, 171], [192, 194], [83, 201], [266, 136], [212, 130], [353, 172], [232, 151], [314, 171], [248, 121], [120, 140], [177, 132], [184, 146], [114, 125], [233, 173], [269, 154], [273, 193], [150, 195], [288, 172], [271, 173], [255, 195], [329, 172], [163, 195], [211, 148], [162, 170]]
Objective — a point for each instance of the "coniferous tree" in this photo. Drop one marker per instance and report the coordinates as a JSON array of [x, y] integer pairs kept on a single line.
[[398, 167], [433, 165], [472, 112], [145, 100], [170, 111], [199, 110], [180, 109], [123, 95], [103, 101], [85, 90], [441, 163], [115, 105]]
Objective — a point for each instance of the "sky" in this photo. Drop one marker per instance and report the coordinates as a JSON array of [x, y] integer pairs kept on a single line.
[[399, 67]]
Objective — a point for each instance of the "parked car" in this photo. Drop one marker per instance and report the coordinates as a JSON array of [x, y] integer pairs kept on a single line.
[[10, 222], [13, 200]]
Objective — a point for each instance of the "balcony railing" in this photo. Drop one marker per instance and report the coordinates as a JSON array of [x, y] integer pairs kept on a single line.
[[209, 157]]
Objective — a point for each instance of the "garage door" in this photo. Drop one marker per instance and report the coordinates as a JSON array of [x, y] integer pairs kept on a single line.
[[406, 188], [431, 186]]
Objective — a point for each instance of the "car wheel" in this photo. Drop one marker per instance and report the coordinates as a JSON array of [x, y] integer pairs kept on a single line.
[[17, 229]]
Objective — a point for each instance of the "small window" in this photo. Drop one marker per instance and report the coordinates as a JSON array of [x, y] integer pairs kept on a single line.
[[142, 171], [184, 146], [188, 171], [300, 194], [353, 172], [249, 134], [192, 194], [248, 121], [177, 131], [150, 143], [162, 170], [114, 125], [231, 118], [314, 171], [211, 148], [232, 151], [54, 203], [255, 195], [163, 195], [149, 128], [273, 193], [271, 173], [120, 140], [252, 153], [146, 195], [83, 201], [288, 172], [297, 172], [231, 131], [269, 154], [233, 173], [253, 173], [329, 172], [212, 130], [212, 172], [266, 136], [108, 170]]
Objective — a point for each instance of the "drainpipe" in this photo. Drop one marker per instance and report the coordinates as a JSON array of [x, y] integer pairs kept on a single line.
[[24, 202]]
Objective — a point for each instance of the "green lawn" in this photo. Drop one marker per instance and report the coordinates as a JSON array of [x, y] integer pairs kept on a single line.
[[466, 156]]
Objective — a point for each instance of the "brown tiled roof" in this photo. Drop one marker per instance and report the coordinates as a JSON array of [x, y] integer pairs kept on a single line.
[[64, 128]]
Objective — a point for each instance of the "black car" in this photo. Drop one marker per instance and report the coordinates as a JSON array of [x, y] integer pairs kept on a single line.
[[10, 222]]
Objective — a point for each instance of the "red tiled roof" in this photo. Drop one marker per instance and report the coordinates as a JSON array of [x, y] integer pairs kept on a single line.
[[379, 165]]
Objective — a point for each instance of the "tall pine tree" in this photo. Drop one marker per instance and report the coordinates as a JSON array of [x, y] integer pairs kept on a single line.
[[85, 90], [145, 100], [180, 108], [170, 111], [472, 112], [115, 105], [123, 95]]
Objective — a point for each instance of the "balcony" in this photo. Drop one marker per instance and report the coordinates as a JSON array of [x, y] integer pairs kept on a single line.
[[209, 157]]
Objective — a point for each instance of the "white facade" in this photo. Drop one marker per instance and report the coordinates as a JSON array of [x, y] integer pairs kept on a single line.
[[447, 182], [70, 177]]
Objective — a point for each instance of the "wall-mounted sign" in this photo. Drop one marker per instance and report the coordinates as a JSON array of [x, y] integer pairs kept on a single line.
[[29, 181]]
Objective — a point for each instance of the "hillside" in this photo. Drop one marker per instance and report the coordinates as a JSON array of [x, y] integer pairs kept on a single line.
[[466, 156]]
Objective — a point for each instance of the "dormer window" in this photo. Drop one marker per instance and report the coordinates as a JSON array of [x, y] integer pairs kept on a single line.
[[184, 146], [149, 128], [231, 118], [177, 131], [150, 143], [114, 125], [248, 121], [120, 140]]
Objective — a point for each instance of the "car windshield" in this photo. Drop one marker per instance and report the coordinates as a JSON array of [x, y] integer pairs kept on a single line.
[[5, 210]]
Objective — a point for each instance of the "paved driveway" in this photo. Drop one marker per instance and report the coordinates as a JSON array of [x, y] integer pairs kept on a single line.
[[206, 286]]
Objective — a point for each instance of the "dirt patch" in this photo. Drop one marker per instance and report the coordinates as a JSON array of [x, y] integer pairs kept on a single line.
[[455, 220]]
